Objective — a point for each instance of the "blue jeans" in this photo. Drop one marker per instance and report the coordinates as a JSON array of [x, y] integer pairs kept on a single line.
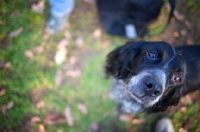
[[60, 8]]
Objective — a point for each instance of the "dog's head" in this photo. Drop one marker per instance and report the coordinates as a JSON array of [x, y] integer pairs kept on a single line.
[[153, 72]]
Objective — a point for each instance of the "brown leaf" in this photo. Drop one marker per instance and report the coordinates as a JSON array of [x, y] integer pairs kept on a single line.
[[138, 121], [187, 99], [190, 41], [16, 32], [10, 105], [4, 64], [6, 107], [68, 117], [7, 65], [72, 60], [14, 13], [40, 104], [82, 108], [29, 54], [176, 34], [35, 119], [2, 92], [73, 73], [182, 130], [94, 127], [53, 118], [60, 130], [183, 109], [39, 49], [3, 109], [80, 41], [68, 35], [61, 53], [59, 77], [39, 7], [41, 128], [125, 118], [63, 43], [97, 33], [105, 44], [178, 16]]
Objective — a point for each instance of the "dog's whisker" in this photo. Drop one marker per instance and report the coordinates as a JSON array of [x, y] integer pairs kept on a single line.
[[127, 68]]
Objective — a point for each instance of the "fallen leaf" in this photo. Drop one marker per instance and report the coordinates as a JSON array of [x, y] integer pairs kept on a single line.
[[29, 54], [61, 53], [7, 65], [4, 64], [190, 41], [14, 13], [10, 105], [3, 109], [68, 116], [35, 119], [39, 7], [125, 118], [2, 92], [97, 33], [60, 56], [178, 16], [59, 77], [45, 36], [73, 73], [183, 109], [82, 108], [53, 118], [41, 128], [80, 41], [40, 104], [138, 121], [176, 34], [67, 35], [187, 99], [60, 130], [6, 107], [39, 49], [16, 32], [105, 44], [63, 43], [182, 130], [94, 127], [72, 60]]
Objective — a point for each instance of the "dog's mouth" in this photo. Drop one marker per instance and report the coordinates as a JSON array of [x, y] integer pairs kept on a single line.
[[143, 100], [136, 97]]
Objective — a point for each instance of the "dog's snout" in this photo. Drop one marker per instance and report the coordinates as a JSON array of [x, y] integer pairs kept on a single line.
[[152, 88]]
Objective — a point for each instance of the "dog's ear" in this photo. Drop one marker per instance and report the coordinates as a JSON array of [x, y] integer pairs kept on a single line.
[[118, 62], [169, 100]]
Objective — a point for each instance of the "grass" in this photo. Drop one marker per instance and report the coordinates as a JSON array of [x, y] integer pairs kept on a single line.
[[30, 80]]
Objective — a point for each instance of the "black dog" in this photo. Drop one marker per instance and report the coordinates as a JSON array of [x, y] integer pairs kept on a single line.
[[154, 75]]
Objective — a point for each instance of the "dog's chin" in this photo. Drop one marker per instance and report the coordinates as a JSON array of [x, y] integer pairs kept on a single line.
[[135, 103], [128, 101], [130, 106]]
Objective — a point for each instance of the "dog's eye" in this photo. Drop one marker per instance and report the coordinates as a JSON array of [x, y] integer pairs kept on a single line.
[[151, 55], [176, 79]]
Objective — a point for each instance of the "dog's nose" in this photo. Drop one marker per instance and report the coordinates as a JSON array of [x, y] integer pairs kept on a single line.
[[152, 88]]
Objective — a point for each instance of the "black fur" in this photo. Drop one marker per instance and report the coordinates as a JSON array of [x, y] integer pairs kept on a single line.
[[128, 60]]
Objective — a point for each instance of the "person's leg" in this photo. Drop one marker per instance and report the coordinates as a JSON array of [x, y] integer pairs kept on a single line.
[[59, 13]]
